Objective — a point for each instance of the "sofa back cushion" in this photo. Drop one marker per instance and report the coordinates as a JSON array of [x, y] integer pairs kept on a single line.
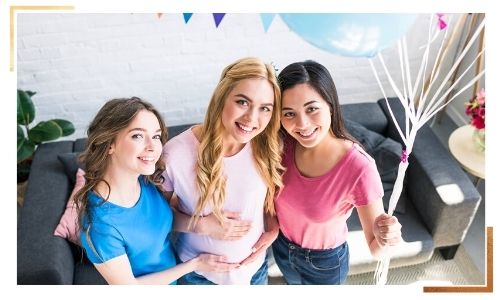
[[368, 114], [71, 164]]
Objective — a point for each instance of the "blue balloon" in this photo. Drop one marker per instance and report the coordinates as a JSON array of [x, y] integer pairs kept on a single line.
[[350, 34]]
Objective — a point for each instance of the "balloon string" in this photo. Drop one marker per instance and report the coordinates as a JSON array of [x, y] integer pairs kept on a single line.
[[382, 269]]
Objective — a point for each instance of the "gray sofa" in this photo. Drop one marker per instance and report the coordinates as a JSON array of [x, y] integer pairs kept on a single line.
[[435, 216]]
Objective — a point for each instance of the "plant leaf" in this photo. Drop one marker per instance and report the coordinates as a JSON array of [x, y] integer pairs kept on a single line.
[[66, 126], [25, 107], [30, 93], [45, 131], [25, 149], [20, 136]]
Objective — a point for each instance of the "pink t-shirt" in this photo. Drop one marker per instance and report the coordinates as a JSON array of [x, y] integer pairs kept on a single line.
[[312, 212], [245, 193]]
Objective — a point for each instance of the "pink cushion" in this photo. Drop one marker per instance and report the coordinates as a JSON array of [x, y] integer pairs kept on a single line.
[[67, 227]]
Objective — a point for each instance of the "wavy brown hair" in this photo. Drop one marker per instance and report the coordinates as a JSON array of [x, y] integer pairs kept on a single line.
[[266, 146], [112, 118]]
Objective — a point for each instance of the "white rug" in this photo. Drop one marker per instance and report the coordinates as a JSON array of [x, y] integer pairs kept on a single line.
[[437, 271]]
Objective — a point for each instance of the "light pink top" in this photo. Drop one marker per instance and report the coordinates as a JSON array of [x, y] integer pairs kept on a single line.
[[245, 193], [312, 212]]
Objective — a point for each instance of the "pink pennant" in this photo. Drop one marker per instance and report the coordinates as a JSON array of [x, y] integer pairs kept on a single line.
[[441, 22]]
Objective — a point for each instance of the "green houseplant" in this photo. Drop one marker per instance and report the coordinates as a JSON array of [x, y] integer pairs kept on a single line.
[[28, 138]]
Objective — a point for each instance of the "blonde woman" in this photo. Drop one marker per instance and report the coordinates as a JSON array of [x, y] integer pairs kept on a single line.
[[125, 220], [225, 174]]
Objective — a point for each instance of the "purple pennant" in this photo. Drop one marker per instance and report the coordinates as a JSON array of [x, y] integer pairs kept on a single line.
[[218, 18], [187, 16]]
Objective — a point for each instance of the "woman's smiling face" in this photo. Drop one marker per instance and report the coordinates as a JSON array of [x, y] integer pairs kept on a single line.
[[247, 110], [305, 115]]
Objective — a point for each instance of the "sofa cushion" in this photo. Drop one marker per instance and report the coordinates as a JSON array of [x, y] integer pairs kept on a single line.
[[175, 130], [417, 245], [80, 145], [68, 224], [71, 164], [85, 272], [367, 114], [386, 153]]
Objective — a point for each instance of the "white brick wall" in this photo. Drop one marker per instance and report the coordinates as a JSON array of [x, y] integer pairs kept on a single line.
[[75, 62]]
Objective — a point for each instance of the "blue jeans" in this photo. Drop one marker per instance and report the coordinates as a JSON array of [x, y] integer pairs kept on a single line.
[[259, 278], [307, 266]]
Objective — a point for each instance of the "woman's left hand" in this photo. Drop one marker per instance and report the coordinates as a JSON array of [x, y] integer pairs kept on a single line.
[[264, 242], [387, 230]]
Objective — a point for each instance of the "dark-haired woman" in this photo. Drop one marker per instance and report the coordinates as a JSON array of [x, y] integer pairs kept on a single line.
[[327, 175]]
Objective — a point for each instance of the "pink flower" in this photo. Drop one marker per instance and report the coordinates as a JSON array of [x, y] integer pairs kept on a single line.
[[480, 96], [476, 108], [478, 123]]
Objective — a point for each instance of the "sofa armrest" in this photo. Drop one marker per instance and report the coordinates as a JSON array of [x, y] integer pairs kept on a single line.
[[440, 190], [43, 258]]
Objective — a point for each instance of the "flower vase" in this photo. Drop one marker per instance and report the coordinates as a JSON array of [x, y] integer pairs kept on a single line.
[[478, 136]]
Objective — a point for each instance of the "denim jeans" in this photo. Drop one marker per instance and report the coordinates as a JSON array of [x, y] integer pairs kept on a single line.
[[259, 278], [307, 266]]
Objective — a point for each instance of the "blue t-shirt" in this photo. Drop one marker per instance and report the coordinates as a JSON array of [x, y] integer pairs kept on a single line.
[[140, 231]]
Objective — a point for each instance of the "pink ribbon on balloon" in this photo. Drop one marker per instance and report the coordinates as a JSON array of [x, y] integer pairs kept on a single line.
[[404, 157], [441, 22]]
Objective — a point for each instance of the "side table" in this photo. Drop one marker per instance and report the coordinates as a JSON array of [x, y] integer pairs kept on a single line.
[[465, 151]]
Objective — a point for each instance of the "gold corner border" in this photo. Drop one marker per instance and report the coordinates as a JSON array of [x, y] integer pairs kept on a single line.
[[488, 288], [14, 9]]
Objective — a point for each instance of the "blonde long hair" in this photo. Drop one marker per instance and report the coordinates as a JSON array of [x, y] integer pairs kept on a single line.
[[266, 146]]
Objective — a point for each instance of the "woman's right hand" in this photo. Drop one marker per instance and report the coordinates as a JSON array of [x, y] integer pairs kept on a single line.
[[213, 263], [232, 228]]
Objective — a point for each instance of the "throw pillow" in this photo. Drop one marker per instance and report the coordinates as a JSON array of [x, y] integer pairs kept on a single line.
[[71, 164], [387, 154], [369, 139], [67, 227]]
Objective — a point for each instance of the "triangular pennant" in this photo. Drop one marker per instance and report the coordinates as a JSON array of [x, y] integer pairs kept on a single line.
[[267, 19], [218, 18], [187, 16]]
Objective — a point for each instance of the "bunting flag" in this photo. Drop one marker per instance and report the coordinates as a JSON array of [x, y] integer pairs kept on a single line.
[[441, 21], [267, 19], [187, 16], [218, 18]]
